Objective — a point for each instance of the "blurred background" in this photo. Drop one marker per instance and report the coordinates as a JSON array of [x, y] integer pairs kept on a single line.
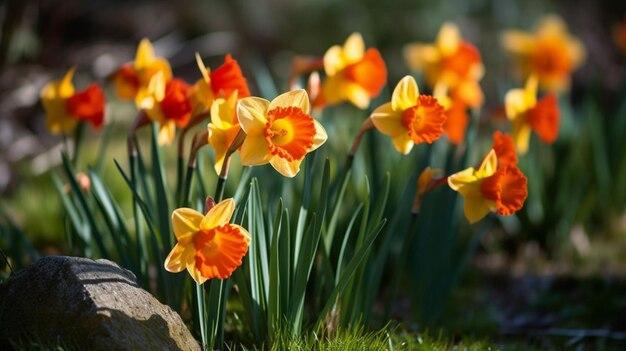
[[576, 228]]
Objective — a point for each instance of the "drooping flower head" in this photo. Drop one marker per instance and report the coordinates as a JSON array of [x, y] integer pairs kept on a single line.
[[280, 132], [208, 245], [223, 128], [352, 74], [526, 113], [65, 107], [451, 61], [167, 103], [410, 118], [132, 79], [490, 188], [550, 53], [220, 83]]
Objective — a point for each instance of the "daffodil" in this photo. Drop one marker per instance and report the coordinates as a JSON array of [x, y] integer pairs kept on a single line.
[[490, 188], [410, 118], [450, 61], [526, 113], [65, 107], [132, 79], [220, 83], [224, 127], [167, 103], [208, 245], [550, 53], [280, 132], [352, 73]]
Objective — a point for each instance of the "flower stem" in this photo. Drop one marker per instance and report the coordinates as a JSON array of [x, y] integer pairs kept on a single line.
[[366, 126], [199, 140], [221, 179]]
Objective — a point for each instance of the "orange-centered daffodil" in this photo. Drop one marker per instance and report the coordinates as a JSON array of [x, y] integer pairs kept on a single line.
[[410, 118], [550, 53], [280, 132], [167, 103], [352, 74], [65, 108], [490, 188], [451, 61], [224, 127], [456, 112], [526, 113], [220, 83], [208, 245], [132, 79]]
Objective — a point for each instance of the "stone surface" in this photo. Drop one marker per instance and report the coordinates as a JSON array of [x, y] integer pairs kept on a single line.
[[89, 305]]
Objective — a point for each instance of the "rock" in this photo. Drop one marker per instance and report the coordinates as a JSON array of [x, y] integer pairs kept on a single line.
[[88, 305]]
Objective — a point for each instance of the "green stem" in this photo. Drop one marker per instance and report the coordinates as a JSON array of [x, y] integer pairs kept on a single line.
[[200, 298]]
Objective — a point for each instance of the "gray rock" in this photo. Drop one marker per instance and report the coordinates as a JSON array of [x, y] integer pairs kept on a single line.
[[89, 305]]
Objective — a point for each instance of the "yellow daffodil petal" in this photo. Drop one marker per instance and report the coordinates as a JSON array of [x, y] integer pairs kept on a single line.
[[251, 113], [185, 221], [388, 121], [405, 94], [286, 168], [403, 143], [353, 48], [167, 132], [220, 140], [552, 26], [203, 69], [145, 54], [489, 165], [295, 98], [476, 208], [224, 112], [195, 273], [66, 88], [515, 103], [521, 136], [179, 258], [219, 215], [417, 56], [448, 39], [517, 42], [357, 95], [462, 179], [333, 60], [320, 136], [254, 151]]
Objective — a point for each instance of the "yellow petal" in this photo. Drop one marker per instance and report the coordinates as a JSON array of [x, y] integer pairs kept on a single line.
[[357, 95], [552, 26], [254, 151], [224, 112], [219, 215], [405, 94], [388, 121], [531, 91], [476, 208], [521, 135], [462, 179], [203, 69], [515, 104], [145, 54], [448, 39], [489, 165], [333, 60], [286, 168], [296, 98], [179, 258], [251, 113], [167, 132], [320, 136], [440, 92], [517, 42], [418, 56], [403, 143], [66, 88], [195, 273], [577, 52], [353, 48]]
